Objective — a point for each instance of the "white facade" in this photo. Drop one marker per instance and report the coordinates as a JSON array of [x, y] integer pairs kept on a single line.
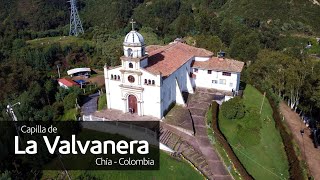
[[133, 87], [225, 81]]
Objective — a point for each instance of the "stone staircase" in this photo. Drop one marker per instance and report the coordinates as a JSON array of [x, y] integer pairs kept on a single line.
[[176, 143]]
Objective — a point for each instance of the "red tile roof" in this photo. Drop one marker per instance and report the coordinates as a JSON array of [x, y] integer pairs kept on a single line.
[[220, 64], [169, 58], [151, 48], [68, 82]]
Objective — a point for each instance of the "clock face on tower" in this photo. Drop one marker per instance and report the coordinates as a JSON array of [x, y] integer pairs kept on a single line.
[[131, 79]]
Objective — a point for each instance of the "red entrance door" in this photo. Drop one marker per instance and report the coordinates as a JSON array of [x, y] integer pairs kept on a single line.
[[132, 104]]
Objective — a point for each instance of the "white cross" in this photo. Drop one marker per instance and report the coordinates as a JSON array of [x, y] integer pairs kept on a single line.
[[132, 23]]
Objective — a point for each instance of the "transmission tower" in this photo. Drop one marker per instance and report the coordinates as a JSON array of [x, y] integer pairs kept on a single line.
[[75, 22]]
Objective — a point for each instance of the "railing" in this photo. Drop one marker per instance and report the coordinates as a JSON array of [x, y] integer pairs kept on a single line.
[[116, 126]]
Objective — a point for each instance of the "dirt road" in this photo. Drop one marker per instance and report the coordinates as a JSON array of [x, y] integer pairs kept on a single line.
[[312, 155]]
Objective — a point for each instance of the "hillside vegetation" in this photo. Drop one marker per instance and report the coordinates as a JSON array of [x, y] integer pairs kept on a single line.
[[271, 37], [286, 14]]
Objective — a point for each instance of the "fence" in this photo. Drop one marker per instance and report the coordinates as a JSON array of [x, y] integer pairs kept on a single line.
[[115, 127]]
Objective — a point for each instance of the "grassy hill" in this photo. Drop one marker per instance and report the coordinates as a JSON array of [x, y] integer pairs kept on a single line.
[[255, 139], [62, 40]]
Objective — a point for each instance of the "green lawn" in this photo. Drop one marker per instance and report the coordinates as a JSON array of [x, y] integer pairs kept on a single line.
[[70, 115], [102, 102], [260, 151], [62, 40], [170, 169]]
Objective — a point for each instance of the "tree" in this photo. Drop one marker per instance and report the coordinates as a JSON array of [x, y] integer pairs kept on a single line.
[[283, 74], [50, 90], [69, 101], [212, 43], [233, 109], [5, 176], [245, 47]]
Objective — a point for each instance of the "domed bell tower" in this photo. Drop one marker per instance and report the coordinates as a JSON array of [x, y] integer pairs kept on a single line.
[[133, 45], [134, 50]]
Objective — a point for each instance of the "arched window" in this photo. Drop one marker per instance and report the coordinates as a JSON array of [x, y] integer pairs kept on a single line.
[[130, 52], [131, 79], [153, 82], [130, 65], [111, 76], [149, 81], [118, 77], [145, 81]]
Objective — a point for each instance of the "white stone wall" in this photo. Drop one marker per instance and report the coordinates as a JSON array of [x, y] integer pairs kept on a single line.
[[135, 51], [113, 91], [151, 94], [216, 80], [148, 95], [201, 58], [144, 63], [168, 90]]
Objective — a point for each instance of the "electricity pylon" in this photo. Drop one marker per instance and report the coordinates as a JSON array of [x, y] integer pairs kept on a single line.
[[75, 22]]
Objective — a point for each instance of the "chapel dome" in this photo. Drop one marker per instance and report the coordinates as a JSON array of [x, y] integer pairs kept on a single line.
[[133, 38]]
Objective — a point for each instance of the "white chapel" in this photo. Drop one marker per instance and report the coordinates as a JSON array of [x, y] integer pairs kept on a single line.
[[151, 78]]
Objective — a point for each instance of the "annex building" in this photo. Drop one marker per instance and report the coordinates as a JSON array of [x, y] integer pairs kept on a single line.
[[151, 78]]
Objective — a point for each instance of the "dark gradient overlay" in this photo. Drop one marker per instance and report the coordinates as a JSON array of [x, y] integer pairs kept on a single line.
[[83, 131]]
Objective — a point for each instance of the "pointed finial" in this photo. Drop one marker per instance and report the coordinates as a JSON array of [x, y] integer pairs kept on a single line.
[[132, 23]]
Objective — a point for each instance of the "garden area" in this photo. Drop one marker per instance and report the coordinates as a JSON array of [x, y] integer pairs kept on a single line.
[[169, 169], [249, 127]]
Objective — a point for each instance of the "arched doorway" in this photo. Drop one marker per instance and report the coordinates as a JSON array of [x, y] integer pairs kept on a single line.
[[132, 104]]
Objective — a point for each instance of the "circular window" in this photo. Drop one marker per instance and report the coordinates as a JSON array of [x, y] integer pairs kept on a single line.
[[131, 79]]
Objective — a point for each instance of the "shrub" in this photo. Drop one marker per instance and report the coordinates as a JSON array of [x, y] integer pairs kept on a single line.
[[233, 109], [248, 137], [212, 116], [69, 101]]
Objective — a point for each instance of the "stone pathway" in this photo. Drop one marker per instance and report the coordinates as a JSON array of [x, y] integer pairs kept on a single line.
[[91, 104], [197, 149]]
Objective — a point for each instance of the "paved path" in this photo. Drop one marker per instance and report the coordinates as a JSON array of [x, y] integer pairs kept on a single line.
[[91, 104], [198, 105], [312, 154], [197, 149]]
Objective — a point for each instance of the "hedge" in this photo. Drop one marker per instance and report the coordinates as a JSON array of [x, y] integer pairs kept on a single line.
[[226, 146]]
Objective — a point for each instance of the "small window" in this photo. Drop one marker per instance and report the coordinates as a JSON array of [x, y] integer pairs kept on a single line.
[[149, 81], [130, 65], [209, 71], [153, 82], [214, 82], [145, 81], [111, 76], [226, 74], [222, 81], [195, 70], [118, 77], [131, 79], [231, 84], [129, 52]]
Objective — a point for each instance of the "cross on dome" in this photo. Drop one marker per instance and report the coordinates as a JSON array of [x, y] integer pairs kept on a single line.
[[132, 23]]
